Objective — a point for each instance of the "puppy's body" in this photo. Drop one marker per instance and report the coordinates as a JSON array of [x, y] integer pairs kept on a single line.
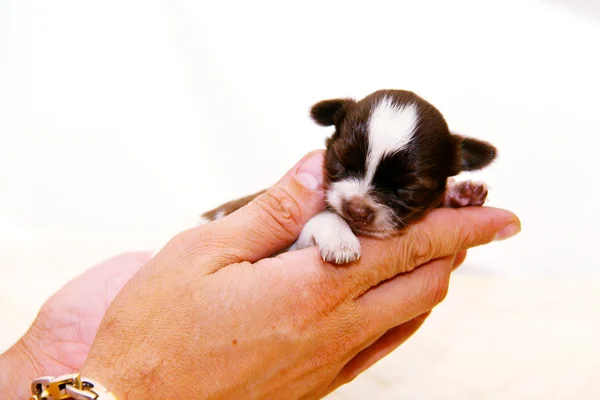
[[387, 164]]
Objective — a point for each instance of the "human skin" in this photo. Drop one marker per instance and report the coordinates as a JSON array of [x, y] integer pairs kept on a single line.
[[213, 316]]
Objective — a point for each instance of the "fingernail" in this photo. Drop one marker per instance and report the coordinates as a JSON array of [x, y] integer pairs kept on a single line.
[[310, 172], [508, 231]]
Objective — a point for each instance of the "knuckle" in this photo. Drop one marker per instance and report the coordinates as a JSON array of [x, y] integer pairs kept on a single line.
[[435, 288], [181, 240], [344, 336], [326, 293], [282, 208], [183, 237], [192, 242], [419, 248], [190, 239], [348, 375]]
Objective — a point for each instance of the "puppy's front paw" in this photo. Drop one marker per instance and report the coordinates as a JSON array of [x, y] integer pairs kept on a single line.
[[334, 238], [340, 250], [466, 193]]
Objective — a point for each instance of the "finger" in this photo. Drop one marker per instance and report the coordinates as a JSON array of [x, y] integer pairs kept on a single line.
[[460, 258], [382, 347], [406, 296], [441, 233], [273, 220], [269, 223]]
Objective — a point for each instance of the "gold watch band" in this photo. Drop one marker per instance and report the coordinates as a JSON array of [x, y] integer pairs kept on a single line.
[[70, 386]]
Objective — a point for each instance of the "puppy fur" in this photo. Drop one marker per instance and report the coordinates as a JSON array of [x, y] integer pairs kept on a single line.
[[389, 161]]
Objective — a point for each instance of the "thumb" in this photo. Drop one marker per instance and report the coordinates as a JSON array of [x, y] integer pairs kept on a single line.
[[272, 221]]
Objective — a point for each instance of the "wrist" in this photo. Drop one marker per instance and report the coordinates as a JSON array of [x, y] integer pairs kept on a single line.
[[140, 372], [124, 374], [111, 378], [18, 368]]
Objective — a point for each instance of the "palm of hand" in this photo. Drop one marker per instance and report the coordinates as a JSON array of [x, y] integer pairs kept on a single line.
[[62, 334]]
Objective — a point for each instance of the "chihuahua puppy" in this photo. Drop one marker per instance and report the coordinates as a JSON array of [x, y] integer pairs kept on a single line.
[[389, 161]]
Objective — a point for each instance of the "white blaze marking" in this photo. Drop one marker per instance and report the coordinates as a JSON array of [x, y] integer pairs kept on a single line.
[[391, 128]]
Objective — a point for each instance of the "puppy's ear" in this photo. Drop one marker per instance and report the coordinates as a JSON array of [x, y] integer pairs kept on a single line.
[[330, 112], [474, 154]]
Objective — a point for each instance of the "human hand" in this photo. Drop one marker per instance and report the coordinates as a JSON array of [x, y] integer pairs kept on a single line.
[[211, 317], [60, 337]]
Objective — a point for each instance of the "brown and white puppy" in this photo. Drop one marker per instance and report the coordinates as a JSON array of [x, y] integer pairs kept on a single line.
[[389, 161]]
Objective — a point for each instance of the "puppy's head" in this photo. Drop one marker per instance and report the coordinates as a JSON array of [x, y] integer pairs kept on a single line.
[[388, 161]]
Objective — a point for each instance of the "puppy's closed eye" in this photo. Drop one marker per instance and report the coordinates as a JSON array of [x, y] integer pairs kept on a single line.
[[343, 162], [414, 195]]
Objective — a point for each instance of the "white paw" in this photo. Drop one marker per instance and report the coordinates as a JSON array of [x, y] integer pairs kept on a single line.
[[343, 250], [336, 241]]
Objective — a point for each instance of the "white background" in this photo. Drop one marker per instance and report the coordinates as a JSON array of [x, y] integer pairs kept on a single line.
[[120, 121]]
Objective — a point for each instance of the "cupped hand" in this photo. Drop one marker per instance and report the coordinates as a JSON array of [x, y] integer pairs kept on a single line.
[[211, 316]]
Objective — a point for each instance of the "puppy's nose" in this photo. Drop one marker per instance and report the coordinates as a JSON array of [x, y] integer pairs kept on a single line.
[[359, 211]]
